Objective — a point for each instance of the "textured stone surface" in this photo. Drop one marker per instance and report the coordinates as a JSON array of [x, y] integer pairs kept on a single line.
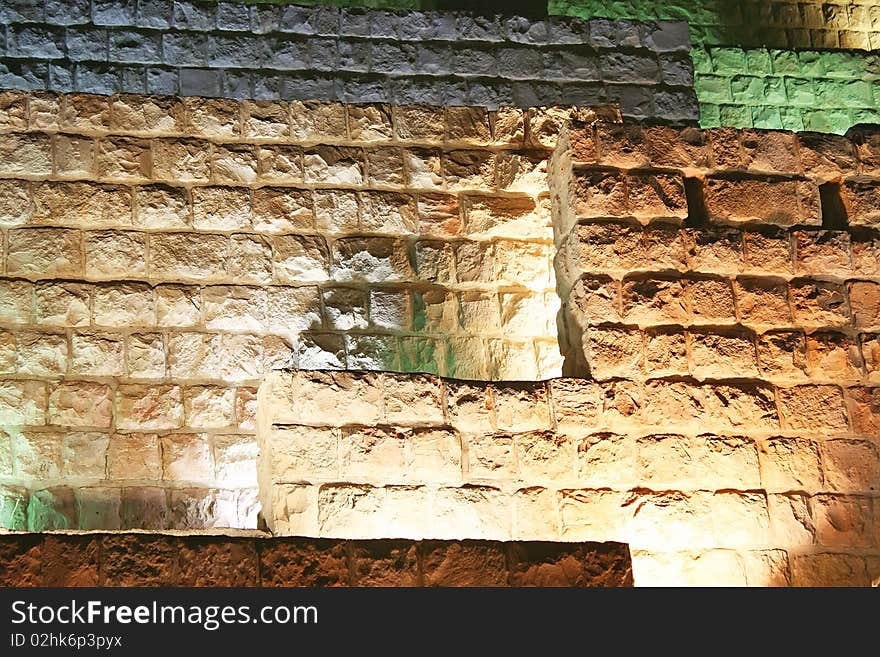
[[441, 63]]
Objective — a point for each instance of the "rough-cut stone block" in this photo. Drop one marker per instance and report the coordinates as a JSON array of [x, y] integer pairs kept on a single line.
[[813, 408], [44, 252], [138, 560], [828, 569], [554, 564], [861, 198], [80, 403], [464, 563], [819, 304], [146, 408], [783, 202], [70, 561], [187, 256]]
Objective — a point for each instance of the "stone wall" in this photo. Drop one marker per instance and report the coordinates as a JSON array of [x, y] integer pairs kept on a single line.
[[161, 254], [272, 52], [141, 559], [725, 284]]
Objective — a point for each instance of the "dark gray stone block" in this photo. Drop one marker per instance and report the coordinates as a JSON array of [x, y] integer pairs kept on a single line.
[[267, 86], [519, 62], [435, 58], [677, 72], [133, 80], [519, 29], [114, 12], [667, 36], [184, 48], [574, 63], [67, 12], [296, 20], [325, 21], [163, 81], [86, 44], [236, 84], [96, 79], [473, 60], [61, 78], [354, 21], [23, 75], [198, 16], [607, 33], [233, 17], [490, 93], [565, 31], [629, 67], [36, 41], [266, 18], [154, 13], [383, 24], [635, 101], [479, 28], [456, 91], [137, 47], [417, 91], [679, 105], [583, 93], [534, 93], [199, 82]]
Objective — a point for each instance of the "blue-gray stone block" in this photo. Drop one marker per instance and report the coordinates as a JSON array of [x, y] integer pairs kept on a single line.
[[534, 93], [236, 83], [162, 81], [23, 75], [61, 78], [198, 16], [363, 89], [489, 93], [35, 41], [68, 12], [199, 82], [135, 47], [567, 31], [323, 54], [607, 33], [287, 53], [87, 44], [417, 91], [393, 57], [479, 28], [133, 80], [325, 21], [583, 93], [266, 18], [236, 50], [383, 24], [154, 13], [354, 55], [308, 86], [114, 12], [21, 11], [184, 48], [579, 64], [676, 105], [233, 17], [519, 29], [267, 86], [96, 79]]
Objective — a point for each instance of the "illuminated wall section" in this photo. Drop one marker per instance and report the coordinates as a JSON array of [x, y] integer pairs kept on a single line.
[[773, 65]]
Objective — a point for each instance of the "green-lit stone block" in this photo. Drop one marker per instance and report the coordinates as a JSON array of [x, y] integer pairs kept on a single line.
[[792, 119], [800, 92], [50, 509], [865, 115], [702, 61], [767, 118], [736, 116], [745, 89], [728, 60], [710, 115], [758, 62], [712, 89], [13, 508], [855, 92], [420, 355], [785, 62], [840, 64], [774, 91], [812, 64]]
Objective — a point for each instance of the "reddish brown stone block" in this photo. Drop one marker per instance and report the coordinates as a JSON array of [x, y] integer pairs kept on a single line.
[[20, 559], [780, 201], [138, 560], [560, 564], [385, 563], [465, 563], [218, 561], [303, 562], [70, 560]]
